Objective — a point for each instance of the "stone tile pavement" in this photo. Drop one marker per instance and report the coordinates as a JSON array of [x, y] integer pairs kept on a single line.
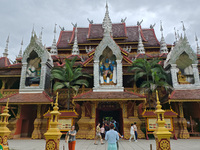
[[180, 144]]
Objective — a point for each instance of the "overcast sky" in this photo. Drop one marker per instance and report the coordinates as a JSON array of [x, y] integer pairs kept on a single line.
[[18, 16]]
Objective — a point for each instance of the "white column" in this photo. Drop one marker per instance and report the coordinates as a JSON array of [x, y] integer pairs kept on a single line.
[[196, 74], [23, 75], [42, 75], [119, 73], [96, 74], [174, 75]]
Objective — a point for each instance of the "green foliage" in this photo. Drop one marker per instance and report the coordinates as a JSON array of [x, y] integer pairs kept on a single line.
[[152, 74], [69, 77]]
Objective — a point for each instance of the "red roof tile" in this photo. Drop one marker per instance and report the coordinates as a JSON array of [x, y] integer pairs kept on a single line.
[[27, 98], [81, 35], [4, 62], [88, 96], [150, 36], [133, 35], [168, 113], [64, 38], [185, 95], [63, 114], [96, 31]]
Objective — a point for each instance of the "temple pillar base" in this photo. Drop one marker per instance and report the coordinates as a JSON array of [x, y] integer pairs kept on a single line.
[[84, 128], [177, 127], [127, 126], [91, 133], [37, 132], [43, 127], [12, 127], [184, 134]]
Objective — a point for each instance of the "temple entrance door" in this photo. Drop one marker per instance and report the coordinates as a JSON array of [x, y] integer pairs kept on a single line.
[[110, 111], [27, 117]]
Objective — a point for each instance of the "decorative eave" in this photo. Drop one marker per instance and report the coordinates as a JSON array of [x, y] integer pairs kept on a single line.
[[151, 113], [27, 98], [109, 96], [185, 96], [63, 114]]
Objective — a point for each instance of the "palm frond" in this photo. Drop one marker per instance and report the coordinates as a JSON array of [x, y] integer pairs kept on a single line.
[[58, 85]]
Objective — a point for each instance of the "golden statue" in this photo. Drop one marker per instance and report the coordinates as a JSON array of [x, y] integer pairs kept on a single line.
[[182, 78]]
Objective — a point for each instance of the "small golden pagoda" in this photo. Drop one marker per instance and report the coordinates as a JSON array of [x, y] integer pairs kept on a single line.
[[53, 134], [162, 134], [4, 131]]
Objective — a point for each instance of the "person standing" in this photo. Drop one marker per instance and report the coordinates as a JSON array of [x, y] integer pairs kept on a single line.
[[112, 137], [102, 132], [135, 131], [98, 134], [71, 138], [106, 128], [132, 133]]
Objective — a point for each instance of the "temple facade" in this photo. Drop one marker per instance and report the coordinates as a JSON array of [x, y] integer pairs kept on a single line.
[[105, 51]]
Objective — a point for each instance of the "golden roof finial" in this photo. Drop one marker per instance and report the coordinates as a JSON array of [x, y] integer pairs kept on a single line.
[[158, 102], [7, 102], [157, 97], [57, 98]]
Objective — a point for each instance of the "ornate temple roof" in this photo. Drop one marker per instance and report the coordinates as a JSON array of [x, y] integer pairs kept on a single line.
[[185, 95], [95, 96], [94, 32], [27, 98]]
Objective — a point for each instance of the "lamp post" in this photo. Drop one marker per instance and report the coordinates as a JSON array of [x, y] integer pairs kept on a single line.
[[161, 134]]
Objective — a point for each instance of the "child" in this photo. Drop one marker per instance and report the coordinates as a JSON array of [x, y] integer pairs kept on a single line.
[[102, 131]]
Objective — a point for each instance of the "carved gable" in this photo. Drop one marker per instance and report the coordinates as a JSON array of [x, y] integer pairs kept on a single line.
[[108, 66], [36, 67], [182, 63]]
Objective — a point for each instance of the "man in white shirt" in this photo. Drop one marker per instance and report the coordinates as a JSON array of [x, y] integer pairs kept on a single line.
[[132, 133]]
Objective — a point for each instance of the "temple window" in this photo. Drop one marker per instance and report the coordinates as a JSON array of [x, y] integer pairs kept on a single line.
[[107, 66], [33, 71], [185, 73]]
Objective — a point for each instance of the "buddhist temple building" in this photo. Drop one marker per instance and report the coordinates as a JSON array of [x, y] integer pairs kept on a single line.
[[105, 51]]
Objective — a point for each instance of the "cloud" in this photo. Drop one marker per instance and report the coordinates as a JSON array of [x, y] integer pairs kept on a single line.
[[18, 17]]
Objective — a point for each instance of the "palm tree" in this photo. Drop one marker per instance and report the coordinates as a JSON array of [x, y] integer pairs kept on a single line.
[[152, 74], [69, 77]]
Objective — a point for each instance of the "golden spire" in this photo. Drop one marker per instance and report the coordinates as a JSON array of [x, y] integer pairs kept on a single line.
[[158, 107], [56, 103], [57, 98], [7, 102]]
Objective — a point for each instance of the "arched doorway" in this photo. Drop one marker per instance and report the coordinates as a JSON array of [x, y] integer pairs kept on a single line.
[[110, 111]]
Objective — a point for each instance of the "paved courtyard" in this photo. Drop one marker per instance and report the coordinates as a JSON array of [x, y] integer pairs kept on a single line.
[[190, 144]]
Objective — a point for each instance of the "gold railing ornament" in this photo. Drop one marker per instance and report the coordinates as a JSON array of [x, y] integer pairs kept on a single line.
[[53, 134], [161, 134], [4, 131]]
